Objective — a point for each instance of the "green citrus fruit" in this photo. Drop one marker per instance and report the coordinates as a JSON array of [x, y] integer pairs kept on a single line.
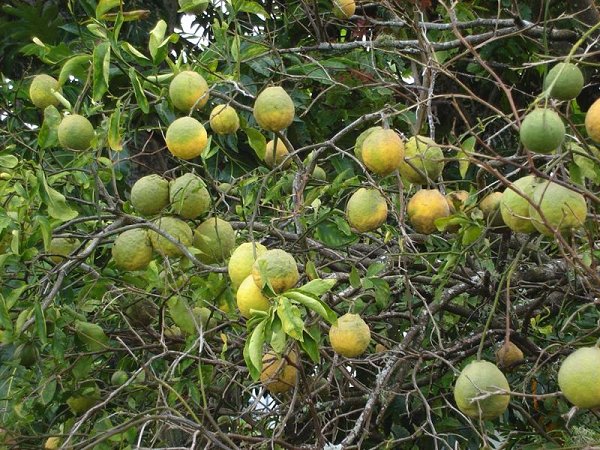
[[132, 249], [424, 208], [196, 7], [579, 377], [188, 89], [382, 151], [119, 378], [490, 207], [92, 335], [40, 91], [215, 238], [75, 132], [424, 154], [562, 209], [178, 229], [60, 248], [279, 268], [274, 109], [344, 9], [85, 399], [565, 81], [514, 207], [361, 139], [366, 210], [475, 380], [350, 335], [241, 261], [224, 120], [319, 173], [542, 131], [279, 373], [592, 121], [189, 196], [249, 297], [509, 355], [275, 158], [186, 138], [28, 354], [150, 194]]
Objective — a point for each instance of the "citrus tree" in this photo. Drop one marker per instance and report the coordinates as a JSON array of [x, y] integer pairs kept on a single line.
[[304, 224]]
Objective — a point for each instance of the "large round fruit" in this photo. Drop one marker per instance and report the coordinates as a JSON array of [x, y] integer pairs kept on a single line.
[[579, 377], [361, 139], [349, 335], [150, 194], [279, 373], [119, 378], [475, 380], [85, 399], [280, 269], [224, 120], [542, 131], [189, 196], [188, 89], [344, 9], [424, 208], [92, 335], [382, 151], [60, 248], [132, 249], [215, 239], [565, 81], [241, 261], [422, 153], [40, 91], [186, 138], [273, 159], [27, 354], [196, 7], [490, 207], [274, 109], [249, 297], [175, 227], [561, 209], [592, 121], [366, 210], [515, 208], [75, 132]]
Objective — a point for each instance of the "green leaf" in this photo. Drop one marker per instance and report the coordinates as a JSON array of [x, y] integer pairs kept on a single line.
[[471, 234], [9, 161], [76, 66], [182, 315], [318, 287], [56, 202], [138, 90], [133, 51], [291, 318], [312, 303], [40, 323], [92, 335], [253, 350], [115, 140], [104, 6], [311, 347], [257, 141], [278, 336], [157, 42], [249, 7], [354, 278], [101, 68], [48, 390], [48, 135], [375, 269], [463, 155]]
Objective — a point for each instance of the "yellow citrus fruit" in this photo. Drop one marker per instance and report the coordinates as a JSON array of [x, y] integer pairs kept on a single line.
[[456, 200], [579, 377], [592, 121], [361, 139], [380, 348], [215, 239], [422, 153], [564, 81], [366, 210], [350, 335], [382, 151], [186, 138], [509, 355], [249, 296], [150, 194], [75, 132], [60, 248], [196, 7], [344, 9], [514, 207], [424, 208], [40, 91], [542, 131], [52, 443], [562, 209], [477, 379], [490, 207], [224, 120], [189, 196], [279, 373], [132, 249], [274, 109], [241, 261], [178, 229], [188, 89], [273, 159], [279, 268]]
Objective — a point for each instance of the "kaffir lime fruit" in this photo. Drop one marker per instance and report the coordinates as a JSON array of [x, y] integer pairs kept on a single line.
[[514, 205], [423, 160], [366, 210], [177, 229], [224, 120], [274, 109], [215, 238], [40, 91], [542, 131], [592, 121], [60, 248], [382, 151], [150, 194], [490, 207], [279, 373], [344, 9], [349, 335], [361, 139], [75, 132], [562, 209], [274, 158], [250, 297], [132, 249], [186, 138], [509, 355], [278, 267], [188, 89], [564, 81], [189, 196], [241, 261], [424, 208], [579, 377]]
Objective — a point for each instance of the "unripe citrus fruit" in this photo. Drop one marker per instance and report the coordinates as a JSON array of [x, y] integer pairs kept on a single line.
[[592, 121], [344, 9], [193, 6], [189, 196], [349, 335], [490, 207], [279, 373], [279, 268], [27, 354], [188, 89], [60, 248], [274, 109], [515, 208], [542, 131], [119, 378], [565, 81], [224, 120], [509, 355], [249, 296], [88, 397], [319, 173], [579, 377], [186, 138], [175, 227], [215, 239], [92, 335], [132, 249], [276, 158], [40, 91], [424, 208], [422, 153], [75, 132], [475, 380], [150, 194], [562, 209], [382, 151], [241, 261], [361, 139], [366, 210]]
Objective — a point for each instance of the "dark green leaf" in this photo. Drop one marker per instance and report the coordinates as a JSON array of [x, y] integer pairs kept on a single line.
[[253, 350], [48, 135], [101, 69], [138, 90]]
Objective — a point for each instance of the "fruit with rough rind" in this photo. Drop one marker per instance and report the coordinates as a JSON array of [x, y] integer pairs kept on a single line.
[[422, 153], [175, 227], [88, 396], [280, 269], [592, 121], [361, 139], [60, 248], [509, 355], [186, 138], [490, 207], [215, 238], [382, 151], [565, 81], [224, 120], [273, 159], [579, 377], [249, 297], [477, 379], [150, 194], [241, 261], [119, 378], [193, 6], [92, 335], [424, 208], [562, 209], [189, 196], [349, 335], [279, 373], [542, 131], [40, 91], [344, 9], [75, 132], [132, 249], [52, 443], [366, 210], [188, 89], [274, 109], [514, 205]]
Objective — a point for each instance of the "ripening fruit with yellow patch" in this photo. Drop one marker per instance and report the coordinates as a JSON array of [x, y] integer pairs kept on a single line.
[[361, 139], [424, 208], [274, 158], [366, 210], [423, 160], [241, 261], [592, 121], [349, 335], [514, 205], [177, 229], [60, 248], [215, 238], [382, 151], [279, 373], [132, 249], [40, 91], [344, 9], [249, 297], [188, 90], [278, 267], [561, 208], [490, 207], [186, 138], [274, 109], [224, 120]]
